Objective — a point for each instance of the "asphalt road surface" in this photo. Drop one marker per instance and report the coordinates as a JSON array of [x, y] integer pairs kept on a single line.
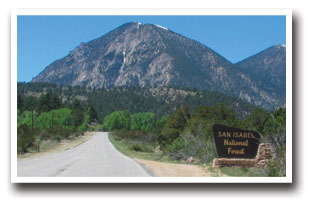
[[95, 158]]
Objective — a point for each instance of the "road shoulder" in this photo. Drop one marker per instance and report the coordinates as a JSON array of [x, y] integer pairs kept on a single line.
[[163, 169], [57, 147]]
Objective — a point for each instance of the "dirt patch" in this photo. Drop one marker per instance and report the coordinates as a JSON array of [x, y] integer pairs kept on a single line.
[[49, 147], [162, 169]]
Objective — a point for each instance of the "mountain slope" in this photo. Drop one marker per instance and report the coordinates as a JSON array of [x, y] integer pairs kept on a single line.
[[160, 100], [145, 55], [267, 69]]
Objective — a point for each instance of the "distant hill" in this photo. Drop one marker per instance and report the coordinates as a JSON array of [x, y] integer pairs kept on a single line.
[[160, 100], [267, 69], [148, 55]]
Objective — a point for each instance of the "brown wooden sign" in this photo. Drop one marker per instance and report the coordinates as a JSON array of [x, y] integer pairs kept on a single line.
[[234, 142]]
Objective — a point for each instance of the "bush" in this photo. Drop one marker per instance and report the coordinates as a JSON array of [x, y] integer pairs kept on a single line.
[[136, 136], [83, 127], [277, 166], [59, 132], [196, 126], [258, 119], [25, 138], [220, 114], [143, 121], [160, 123], [177, 145], [136, 147], [25, 118], [57, 138], [117, 120], [196, 141], [167, 136], [176, 149], [141, 148]]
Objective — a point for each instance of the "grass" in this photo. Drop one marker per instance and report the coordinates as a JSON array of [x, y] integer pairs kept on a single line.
[[126, 150], [244, 172], [52, 146]]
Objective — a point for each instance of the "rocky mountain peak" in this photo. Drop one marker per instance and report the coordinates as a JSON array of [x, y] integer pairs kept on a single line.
[[148, 55]]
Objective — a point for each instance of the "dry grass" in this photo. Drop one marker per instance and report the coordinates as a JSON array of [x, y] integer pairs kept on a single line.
[[51, 146]]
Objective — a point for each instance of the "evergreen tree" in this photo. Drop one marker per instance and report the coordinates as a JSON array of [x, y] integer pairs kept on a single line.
[[20, 102], [92, 113], [48, 102], [258, 119], [174, 126], [25, 138], [77, 113]]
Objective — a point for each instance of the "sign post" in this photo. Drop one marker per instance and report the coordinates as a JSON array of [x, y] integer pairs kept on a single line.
[[239, 147]]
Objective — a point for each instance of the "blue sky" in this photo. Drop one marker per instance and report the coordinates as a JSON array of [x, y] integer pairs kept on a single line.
[[44, 39]]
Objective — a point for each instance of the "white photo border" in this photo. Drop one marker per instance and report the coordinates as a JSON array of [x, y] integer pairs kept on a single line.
[[144, 12]]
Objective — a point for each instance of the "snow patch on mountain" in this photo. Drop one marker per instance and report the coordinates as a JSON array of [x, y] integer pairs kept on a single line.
[[160, 26], [138, 24]]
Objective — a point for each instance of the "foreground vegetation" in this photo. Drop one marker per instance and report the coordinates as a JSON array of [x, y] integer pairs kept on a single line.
[[180, 134], [183, 136], [46, 118]]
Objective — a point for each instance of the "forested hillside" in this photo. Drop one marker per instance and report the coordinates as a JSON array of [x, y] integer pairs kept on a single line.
[[160, 101]]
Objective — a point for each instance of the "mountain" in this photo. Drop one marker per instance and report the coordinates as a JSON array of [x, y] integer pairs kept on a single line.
[[267, 70], [147, 55]]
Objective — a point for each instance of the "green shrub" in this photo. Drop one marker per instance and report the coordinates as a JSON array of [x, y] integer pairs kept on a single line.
[[220, 114], [143, 121], [83, 127], [160, 124], [58, 133], [196, 140], [167, 136], [57, 138], [136, 147], [25, 118], [58, 117], [141, 148], [277, 166], [177, 145], [117, 120]]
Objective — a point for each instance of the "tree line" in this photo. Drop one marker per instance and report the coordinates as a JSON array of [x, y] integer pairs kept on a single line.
[[48, 117], [160, 101]]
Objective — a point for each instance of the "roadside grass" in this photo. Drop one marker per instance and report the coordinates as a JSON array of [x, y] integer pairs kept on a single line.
[[127, 150], [53, 146], [244, 172], [215, 172]]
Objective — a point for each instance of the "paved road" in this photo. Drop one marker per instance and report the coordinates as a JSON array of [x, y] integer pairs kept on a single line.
[[95, 158]]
